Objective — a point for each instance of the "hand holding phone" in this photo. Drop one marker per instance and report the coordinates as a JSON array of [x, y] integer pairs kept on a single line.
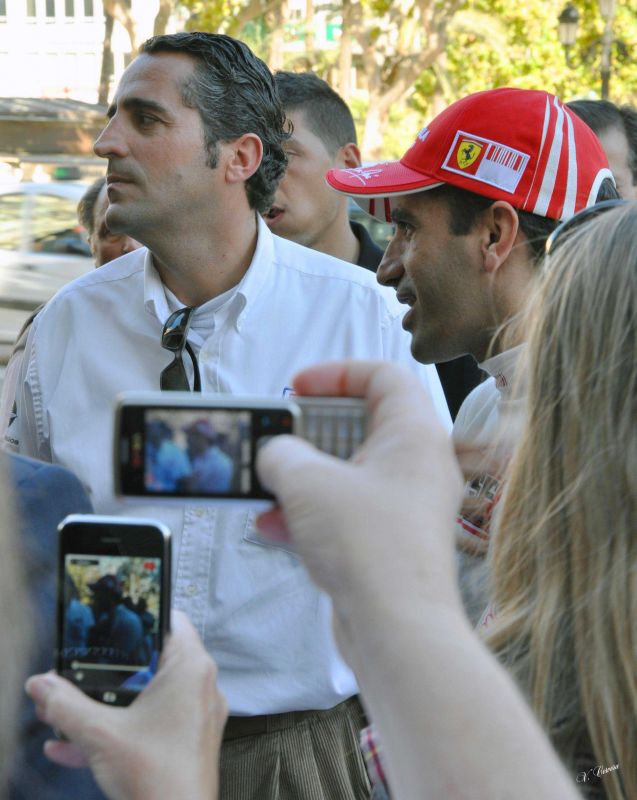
[[113, 603], [165, 745]]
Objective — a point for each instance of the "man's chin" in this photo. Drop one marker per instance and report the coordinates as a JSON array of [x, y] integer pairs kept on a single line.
[[422, 351], [119, 220]]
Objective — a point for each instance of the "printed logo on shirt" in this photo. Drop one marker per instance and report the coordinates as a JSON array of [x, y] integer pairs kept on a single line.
[[488, 489], [9, 439], [486, 161]]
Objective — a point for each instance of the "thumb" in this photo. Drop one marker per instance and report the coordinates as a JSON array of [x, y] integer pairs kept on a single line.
[[285, 457], [64, 707]]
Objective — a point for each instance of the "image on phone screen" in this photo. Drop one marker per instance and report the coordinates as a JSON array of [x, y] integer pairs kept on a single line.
[[197, 452], [110, 620]]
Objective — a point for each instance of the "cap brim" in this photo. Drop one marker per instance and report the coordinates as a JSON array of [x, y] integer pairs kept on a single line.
[[372, 185]]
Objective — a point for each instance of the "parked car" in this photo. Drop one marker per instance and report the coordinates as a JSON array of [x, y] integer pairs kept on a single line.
[[42, 247]]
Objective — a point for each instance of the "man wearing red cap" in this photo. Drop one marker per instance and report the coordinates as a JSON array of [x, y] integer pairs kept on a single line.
[[473, 201]]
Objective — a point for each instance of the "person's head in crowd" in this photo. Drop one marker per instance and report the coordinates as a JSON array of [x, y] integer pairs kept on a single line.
[[91, 211], [227, 153], [323, 137], [200, 436], [564, 555], [107, 593], [616, 129], [157, 432], [473, 201]]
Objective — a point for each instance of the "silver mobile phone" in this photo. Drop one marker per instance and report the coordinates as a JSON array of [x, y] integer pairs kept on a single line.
[[174, 444]]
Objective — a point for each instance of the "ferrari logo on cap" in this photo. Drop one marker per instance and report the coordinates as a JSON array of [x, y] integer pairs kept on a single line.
[[467, 153]]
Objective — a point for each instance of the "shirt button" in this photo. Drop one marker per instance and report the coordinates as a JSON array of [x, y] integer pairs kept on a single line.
[[199, 512], [191, 590], [205, 354]]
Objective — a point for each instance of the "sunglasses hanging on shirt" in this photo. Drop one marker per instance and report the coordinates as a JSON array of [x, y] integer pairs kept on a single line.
[[174, 338]]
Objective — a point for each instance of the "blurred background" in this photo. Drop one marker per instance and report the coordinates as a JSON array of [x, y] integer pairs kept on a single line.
[[396, 63]]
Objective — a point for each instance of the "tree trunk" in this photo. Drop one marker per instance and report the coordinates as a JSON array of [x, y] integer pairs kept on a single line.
[[373, 134], [162, 17], [309, 30], [106, 71], [345, 54], [276, 38], [123, 15]]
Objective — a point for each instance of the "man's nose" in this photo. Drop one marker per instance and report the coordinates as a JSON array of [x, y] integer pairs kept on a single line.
[[109, 142], [390, 269]]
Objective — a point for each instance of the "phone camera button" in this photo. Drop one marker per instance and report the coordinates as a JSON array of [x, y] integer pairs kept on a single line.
[[109, 697]]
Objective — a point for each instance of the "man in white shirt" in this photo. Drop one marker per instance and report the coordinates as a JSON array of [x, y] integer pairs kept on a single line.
[[473, 201], [194, 148]]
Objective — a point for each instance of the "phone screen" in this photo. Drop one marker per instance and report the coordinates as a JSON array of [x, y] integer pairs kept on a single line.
[[196, 452], [112, 613]]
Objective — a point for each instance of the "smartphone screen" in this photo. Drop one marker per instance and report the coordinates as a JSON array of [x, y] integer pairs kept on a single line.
[[113, 604], [195, 452]]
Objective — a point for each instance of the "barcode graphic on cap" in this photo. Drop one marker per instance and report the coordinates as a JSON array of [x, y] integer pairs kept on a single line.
[[486, 161], [505, 156]]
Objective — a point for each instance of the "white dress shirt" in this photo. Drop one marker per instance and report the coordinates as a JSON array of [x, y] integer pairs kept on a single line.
[[266, 625]]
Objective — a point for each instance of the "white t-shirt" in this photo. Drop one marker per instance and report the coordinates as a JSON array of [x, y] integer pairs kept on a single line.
[[258, 614]]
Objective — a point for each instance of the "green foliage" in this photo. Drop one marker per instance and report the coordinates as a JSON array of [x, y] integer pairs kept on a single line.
[[490, 43], [496, 43]]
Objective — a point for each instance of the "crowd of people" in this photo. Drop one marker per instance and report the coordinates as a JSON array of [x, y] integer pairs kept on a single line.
[[441, 616]]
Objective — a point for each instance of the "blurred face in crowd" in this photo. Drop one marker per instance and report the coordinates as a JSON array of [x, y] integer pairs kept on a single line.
[[305, 208], [105, 245], [617, 151]]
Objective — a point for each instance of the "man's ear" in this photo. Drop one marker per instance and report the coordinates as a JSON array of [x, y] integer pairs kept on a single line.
[[500, 233], [242, 157], [349, 156]]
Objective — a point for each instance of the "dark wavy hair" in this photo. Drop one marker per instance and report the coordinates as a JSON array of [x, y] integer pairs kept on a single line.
[[234, 93]]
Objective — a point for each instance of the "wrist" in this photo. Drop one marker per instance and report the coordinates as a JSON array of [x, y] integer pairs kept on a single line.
[[372, 624]]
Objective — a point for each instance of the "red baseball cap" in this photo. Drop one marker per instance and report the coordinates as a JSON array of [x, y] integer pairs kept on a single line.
[[518, 145]]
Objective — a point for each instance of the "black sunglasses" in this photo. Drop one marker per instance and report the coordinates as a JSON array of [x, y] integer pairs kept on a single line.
[[570, 225], [174, 378]]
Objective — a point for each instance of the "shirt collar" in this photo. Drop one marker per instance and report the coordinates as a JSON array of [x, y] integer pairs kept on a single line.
[[502, 367], [249, 287]]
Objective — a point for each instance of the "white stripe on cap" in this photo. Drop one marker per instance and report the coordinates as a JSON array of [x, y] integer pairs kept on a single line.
[[550, 173], [603, 173], [547, 117], [571, 181]]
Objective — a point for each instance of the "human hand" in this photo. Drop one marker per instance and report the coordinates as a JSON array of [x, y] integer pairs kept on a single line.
[[164, 745], [382, 521]]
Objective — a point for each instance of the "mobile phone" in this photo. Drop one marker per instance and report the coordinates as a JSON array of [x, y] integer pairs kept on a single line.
[[113, 603], [180, 444]]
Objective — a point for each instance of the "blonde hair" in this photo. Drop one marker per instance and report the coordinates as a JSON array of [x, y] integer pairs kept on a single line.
[[15, 626], [564, 555]]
